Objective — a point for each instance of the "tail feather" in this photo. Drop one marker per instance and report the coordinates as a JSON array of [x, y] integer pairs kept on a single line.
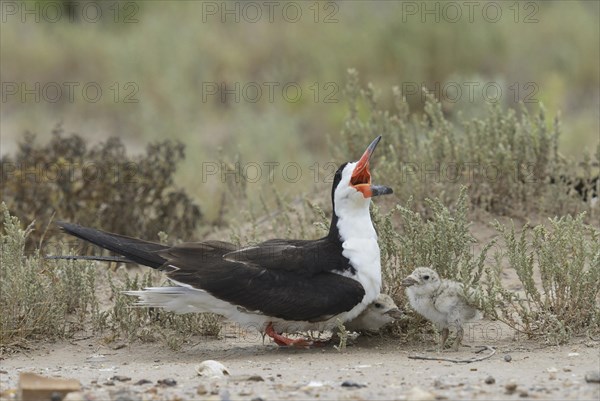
[[133, 249], [88, 257], [179, 300]]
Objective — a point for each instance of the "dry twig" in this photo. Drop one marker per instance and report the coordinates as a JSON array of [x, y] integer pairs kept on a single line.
[[468, 360]]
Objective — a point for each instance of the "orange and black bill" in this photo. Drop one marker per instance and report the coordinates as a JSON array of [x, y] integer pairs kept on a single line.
[[361, 176]]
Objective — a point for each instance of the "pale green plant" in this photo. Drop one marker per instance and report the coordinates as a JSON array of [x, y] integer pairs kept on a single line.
[[558, 265]]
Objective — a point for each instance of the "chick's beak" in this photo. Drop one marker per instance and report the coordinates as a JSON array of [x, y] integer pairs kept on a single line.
[[394, 313], [361, 176], [407, 282]]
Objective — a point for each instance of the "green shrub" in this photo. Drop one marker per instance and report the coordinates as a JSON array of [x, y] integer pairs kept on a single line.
[[40, 299], [558, 265], [123, 320], [443, 242], [43, 299], [97, 186], [508, 160], [408, 240]]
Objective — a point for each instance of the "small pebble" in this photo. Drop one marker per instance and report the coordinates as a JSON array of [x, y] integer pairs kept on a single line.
[[168, 382], [109, 383], [507, 358], [201, 390], [74, 396], [490, 380], [142, 381], [255, 378], [510, 387], [124, 394], [523, 394], [225, 395], [351, 384], [55, 396], [418, 394], [120, 378], [566, 369], [592, 377], [257, 399], [212, 368]]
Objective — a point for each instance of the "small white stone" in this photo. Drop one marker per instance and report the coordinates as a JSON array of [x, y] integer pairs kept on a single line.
[[212, 368], [418, 394]]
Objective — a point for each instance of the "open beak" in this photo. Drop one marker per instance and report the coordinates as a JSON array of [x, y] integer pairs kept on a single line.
[[394, 313], [407, 282], [361, 176]]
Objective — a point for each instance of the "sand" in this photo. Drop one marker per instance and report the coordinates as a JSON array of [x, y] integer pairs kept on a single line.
[[377, 368]]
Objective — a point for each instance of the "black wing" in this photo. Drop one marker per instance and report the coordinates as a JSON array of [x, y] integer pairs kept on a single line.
[[305, 258], [279, 292], [292, 280]]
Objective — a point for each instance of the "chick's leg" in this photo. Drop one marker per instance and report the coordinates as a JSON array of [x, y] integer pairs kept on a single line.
[[445, 333], [459, 336]]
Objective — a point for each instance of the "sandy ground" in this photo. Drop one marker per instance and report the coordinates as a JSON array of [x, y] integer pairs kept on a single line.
[[379, 364]]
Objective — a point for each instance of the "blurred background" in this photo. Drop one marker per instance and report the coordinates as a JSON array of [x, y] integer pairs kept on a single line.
[[265, 82]]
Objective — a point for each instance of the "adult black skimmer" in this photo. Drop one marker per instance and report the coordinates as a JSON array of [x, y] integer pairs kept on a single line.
[[278, 286]]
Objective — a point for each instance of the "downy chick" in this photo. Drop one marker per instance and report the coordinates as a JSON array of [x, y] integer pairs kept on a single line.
[[379, 313], [443, 302]]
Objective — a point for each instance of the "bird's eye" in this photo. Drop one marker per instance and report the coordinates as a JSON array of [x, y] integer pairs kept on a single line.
[[425, 277], [377, 305]]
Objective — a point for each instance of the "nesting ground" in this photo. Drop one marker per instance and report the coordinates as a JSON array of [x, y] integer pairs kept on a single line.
[[380, 365]]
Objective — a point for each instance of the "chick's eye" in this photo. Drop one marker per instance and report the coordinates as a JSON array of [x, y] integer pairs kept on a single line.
[[426, 277], [377, 305]]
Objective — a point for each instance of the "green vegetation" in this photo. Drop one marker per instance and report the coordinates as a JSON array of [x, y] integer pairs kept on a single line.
[[123, 320], [97, 185], [391, 48], [559, 267], [38, 298], [509, 162], [43, 299]]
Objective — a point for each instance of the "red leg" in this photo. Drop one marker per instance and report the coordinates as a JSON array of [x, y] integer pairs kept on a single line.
[[285, 341]]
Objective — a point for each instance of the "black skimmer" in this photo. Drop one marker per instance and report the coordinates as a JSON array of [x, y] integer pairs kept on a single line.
[[280, 285]]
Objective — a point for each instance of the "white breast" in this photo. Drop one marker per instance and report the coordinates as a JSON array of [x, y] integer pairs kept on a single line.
[[361, 248], [424, 305]]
